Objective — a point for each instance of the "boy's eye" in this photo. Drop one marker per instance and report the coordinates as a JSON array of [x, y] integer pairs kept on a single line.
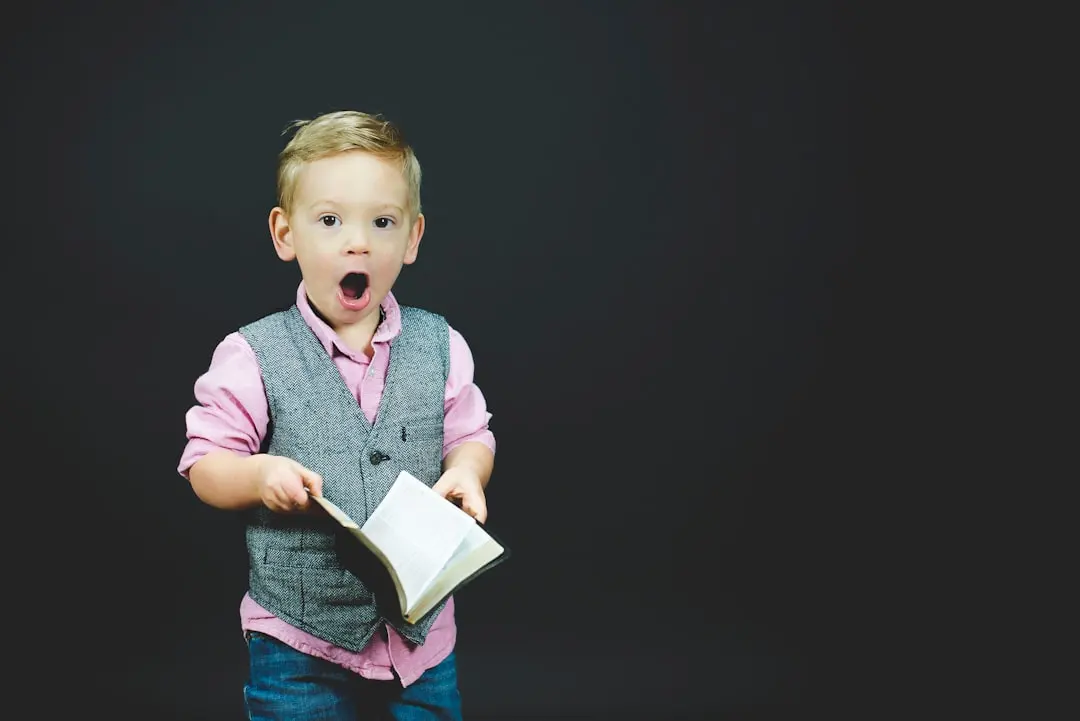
[[328, 220], [383, 222]]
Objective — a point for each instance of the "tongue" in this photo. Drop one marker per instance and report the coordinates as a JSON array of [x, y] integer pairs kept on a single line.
[[354, 285]]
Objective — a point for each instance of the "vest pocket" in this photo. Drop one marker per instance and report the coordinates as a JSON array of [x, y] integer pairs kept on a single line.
[[422, 431], [336, 587], [423, 464], [420, 450], [310, 557], [307, 585]]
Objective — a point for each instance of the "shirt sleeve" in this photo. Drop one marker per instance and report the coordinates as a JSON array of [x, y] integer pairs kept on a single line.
[[466, 414], [231, 411]]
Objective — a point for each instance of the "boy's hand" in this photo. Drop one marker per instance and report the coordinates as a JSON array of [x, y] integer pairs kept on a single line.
[[284, 484], [462, 486]]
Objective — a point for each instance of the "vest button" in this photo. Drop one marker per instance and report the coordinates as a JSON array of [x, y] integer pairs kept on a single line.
[[378, 457]]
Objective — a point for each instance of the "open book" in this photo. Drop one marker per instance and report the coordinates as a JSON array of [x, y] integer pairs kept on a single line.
[[430, 546]]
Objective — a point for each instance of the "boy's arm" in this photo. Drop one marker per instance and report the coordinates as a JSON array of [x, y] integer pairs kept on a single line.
[[465, 413], [468, 443], [223, 479], [225, 430], [474, 457]]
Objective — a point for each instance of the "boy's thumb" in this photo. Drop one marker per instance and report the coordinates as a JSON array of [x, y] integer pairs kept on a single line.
[[312, 480]]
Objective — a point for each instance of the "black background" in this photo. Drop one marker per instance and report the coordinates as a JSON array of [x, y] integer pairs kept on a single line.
[[648, 220]]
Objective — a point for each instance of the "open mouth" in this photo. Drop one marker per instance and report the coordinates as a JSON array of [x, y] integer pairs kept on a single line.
[[353, 285]]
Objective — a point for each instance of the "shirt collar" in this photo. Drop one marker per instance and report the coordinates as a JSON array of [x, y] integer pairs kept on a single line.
[[388, 328]]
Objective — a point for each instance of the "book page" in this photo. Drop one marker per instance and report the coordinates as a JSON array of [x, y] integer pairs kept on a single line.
[[477, 549], [416, 531], [475, 538]]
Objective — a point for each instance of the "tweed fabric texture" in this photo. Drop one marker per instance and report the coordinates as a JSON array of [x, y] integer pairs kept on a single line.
[[296, 562]]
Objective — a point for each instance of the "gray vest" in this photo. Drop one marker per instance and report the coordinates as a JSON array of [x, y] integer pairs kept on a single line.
[[298, 569]]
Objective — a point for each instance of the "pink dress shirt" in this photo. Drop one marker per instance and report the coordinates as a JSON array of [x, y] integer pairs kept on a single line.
[[232, 414]]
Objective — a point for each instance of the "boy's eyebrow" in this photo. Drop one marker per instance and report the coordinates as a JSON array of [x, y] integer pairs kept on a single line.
[[336, 203]]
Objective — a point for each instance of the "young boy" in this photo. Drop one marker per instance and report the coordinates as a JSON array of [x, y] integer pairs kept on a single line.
[[335, 396]]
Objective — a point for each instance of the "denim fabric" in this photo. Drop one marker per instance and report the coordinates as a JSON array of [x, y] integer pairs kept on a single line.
[[284, 683]]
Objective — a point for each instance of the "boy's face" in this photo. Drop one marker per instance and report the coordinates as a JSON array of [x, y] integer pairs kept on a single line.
[[350, 232]]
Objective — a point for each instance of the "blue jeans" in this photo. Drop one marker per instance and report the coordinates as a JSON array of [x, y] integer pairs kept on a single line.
[[284, 683]]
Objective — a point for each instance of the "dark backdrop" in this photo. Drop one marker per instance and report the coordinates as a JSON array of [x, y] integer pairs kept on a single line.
[[644, 217]]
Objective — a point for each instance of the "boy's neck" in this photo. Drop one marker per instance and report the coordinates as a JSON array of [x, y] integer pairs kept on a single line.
[[358, 335]]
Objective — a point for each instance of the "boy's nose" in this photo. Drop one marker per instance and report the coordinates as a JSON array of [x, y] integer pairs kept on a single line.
[[356, 243]]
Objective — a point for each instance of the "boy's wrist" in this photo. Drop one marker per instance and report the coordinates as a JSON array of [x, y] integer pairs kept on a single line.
[[473, 457], [254, 464]]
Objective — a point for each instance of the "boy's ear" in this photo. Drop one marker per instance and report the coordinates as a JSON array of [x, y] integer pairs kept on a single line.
[[415, 235], [281, 234]]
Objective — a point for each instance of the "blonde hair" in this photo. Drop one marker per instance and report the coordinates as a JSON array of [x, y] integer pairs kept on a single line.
[[340, 132]]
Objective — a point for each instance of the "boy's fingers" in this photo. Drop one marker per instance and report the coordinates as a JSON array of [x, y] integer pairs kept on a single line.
[[312, 481], [442, 486], [475, 506], [299, 496], [282, 500]]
